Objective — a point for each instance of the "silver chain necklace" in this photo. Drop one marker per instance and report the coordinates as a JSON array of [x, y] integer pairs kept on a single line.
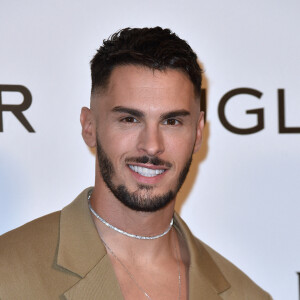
[[139, 237], [133, 278]]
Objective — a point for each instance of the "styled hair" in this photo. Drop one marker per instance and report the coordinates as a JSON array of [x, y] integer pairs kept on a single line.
[[155, 48]]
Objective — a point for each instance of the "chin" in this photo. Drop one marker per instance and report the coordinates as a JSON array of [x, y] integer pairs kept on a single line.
[[143, 199]]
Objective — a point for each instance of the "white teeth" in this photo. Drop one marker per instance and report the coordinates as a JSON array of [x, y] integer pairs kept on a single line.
[[145, 171]]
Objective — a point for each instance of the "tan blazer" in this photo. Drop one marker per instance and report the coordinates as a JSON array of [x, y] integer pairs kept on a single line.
[[60, 256]]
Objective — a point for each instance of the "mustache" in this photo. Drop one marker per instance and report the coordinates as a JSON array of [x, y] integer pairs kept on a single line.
[[154, 160]]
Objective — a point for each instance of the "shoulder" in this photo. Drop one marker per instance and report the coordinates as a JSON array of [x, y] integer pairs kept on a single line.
[[21, 247], [242, 287], [44, 227]]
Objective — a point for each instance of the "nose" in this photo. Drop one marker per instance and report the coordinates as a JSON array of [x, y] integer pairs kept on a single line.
[[151, 140]]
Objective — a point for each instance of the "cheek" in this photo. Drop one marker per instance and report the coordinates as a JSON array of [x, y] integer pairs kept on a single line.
[[182, 145], [179, 152], [125, 141], [118, 146]]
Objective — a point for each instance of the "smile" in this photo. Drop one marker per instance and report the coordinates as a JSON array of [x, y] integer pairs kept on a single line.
[[146, 172]]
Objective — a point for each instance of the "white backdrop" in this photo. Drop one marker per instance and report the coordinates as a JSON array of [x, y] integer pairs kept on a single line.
[[241, 197]]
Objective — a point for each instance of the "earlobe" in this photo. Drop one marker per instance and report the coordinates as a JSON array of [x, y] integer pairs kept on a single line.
[[199, 134], [88, 127]]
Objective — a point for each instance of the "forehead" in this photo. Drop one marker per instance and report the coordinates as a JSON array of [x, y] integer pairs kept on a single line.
[[136, 85]]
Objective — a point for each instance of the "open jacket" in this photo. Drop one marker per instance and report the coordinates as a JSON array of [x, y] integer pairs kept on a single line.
[[60, 256]]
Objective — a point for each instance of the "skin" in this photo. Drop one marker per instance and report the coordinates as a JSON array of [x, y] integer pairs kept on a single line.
[[150, 113]]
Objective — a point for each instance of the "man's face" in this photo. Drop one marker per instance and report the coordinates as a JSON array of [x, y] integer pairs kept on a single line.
[[148, 126]]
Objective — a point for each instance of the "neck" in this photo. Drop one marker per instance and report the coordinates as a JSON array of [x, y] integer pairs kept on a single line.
[[131, 235], [138, 223]]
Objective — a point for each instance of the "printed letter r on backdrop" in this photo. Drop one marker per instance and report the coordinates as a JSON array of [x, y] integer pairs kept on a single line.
[[16, 109]]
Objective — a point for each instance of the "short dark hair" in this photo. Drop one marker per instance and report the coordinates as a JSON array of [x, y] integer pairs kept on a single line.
[[155, 48]]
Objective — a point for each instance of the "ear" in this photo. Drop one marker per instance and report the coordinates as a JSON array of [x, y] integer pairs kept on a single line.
[[88, 127], [199, 134]]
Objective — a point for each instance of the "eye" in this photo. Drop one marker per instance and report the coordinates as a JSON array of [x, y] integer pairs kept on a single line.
[[172, 122], [129, 120]]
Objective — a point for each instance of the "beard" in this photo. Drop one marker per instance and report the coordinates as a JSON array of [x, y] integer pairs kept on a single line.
[[141, 199]]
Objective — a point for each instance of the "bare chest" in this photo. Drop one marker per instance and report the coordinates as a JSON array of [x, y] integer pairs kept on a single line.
[[163, 282]]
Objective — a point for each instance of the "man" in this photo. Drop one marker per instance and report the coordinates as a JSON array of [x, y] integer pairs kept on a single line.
[[122, 239]]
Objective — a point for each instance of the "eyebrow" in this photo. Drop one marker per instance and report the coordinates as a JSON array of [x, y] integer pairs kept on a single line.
[[174, 114]]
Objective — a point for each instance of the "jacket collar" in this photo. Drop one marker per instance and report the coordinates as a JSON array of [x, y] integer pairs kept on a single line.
[[206, 280], [81, 252], [80, 247]]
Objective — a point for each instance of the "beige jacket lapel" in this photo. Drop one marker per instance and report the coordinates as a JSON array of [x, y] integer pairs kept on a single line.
[[206, 282], [81, 252], [99, 283]]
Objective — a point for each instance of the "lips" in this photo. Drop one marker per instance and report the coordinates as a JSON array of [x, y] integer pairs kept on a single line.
[[146, 172]]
